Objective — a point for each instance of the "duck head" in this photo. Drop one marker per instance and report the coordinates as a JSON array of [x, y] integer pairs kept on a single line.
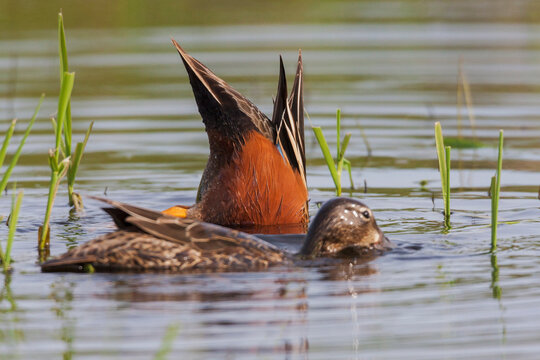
[[344, 227]]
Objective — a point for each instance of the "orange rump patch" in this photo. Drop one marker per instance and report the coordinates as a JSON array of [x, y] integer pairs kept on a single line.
[[258, 187], [178, 211]]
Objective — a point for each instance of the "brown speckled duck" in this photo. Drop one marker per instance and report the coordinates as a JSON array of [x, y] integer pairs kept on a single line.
[[148, 240]]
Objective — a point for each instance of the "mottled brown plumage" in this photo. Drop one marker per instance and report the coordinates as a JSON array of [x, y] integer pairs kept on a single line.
[[147, 240]]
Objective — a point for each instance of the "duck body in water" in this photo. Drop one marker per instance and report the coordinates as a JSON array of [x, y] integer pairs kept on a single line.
[[148, 240]]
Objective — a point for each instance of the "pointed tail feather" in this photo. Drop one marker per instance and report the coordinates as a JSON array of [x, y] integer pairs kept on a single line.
[[296, 103], [288, 119], [281, 99], [222, 108]]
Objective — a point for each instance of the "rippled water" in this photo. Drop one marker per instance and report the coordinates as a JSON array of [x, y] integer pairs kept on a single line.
[[438, 295]]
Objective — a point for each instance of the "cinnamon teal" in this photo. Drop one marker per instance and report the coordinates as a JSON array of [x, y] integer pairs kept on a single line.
[[148, 240]]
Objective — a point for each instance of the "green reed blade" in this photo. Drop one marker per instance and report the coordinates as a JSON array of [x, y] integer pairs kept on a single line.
[[499, 161], [493, 213], [439, 142], [54, 183], [62, 46], [7, 139], [341, 157], [17, 154], [338, 132], [327, 156], [79, 150], [62, 50], [13, 219], [495, 195], [63, 100], [53, 187], [347, 164], [74, 167], [447, 189], [344, 146]]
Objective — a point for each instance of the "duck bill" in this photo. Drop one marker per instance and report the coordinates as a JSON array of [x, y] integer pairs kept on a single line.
[[384, 243]]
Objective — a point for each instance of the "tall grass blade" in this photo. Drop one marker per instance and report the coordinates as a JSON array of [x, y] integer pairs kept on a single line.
[[62, 46], [74, 167], [338, 131], [341, 158], [495, 195], [54, 183], [347, 164], [62, 50], [340, 155], [344, 145], [439, 142], [63, 100], [13, 219], [7, 139], [15, 158], [327, 156], [447, 189]]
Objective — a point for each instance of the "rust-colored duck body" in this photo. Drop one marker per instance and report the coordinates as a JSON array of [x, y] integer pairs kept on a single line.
[[148, 240], [255, 173]]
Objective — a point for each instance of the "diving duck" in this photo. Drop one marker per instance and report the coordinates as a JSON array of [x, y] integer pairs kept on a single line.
[[148, 240], [256, 171]]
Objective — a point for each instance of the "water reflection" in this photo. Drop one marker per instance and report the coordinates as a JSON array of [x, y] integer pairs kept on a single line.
[[349, 269], [397, 76], [11, 333], [7, 295], [495, 288], [62, 294], [72, 230], [497, 293], [221, 306]]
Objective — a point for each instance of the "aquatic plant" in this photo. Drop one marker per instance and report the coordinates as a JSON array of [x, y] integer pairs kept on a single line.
[[16, 201], [58, 167], [62, 160], [443, 154], [341, 161], [495, 193], [7, 139], [74, 198]]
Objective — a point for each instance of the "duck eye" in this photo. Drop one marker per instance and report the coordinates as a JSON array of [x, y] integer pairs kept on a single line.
[[366, 214]]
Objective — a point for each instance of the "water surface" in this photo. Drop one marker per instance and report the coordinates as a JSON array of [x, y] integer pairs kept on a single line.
[[392, 69]]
